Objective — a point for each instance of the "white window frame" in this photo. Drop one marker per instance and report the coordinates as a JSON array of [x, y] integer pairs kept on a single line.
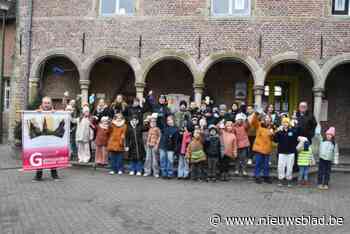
[[340, 15], [230, 10], [116, 10], [7, 89]]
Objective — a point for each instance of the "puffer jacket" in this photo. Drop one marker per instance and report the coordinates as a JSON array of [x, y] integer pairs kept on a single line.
[[263, 140], [116, 141]]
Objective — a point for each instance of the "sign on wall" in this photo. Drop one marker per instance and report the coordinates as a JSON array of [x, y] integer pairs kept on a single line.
[[241, 90], [174, 101], [45, 137]]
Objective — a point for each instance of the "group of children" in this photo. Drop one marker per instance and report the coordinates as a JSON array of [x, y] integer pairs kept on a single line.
[[205, 140]]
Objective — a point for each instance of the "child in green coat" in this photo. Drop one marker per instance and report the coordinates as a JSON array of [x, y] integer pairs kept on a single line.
[[304, 160]]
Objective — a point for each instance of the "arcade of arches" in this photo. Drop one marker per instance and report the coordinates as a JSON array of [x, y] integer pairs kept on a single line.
[[226, 81]]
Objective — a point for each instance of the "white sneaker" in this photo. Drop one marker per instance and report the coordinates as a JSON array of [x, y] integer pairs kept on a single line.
[[236, 173], [250, 162], [139, 174], [131, 173], [120, 173], [111, 172], [245, 173], [146, 174], [157, 176]]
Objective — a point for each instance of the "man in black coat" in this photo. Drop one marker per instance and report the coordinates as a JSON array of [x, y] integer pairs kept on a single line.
[[306, 122]]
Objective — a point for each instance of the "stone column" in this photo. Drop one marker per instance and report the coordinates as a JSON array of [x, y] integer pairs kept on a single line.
[[318, 96], [140, 87], [84, 89], [198, 92], [258, 93], [33, 88]]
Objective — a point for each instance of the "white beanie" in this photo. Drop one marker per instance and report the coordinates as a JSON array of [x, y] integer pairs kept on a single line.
[[241, 116]]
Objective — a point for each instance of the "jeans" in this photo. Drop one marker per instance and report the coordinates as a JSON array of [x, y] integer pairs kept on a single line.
[[183, 168], [324, 171], [303, 173], [151, 163], [117, 161], [241, 160], [285, 166], [212, 167], [136, 166], [262, 163], [166, 162]]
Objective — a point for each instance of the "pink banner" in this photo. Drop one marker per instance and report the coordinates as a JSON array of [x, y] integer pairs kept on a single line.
[[45, 138]]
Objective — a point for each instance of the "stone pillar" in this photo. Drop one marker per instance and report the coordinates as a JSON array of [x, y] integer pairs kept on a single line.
[[84, 89], [318, 96], [33, 88], [198, 92], [258, 93], [140, 87]]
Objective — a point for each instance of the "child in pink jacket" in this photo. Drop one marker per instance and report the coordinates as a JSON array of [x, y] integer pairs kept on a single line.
[[241, 131], [228, 148], [183, 168]]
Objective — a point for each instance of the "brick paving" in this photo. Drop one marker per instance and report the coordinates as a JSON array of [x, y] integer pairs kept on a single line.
[[88, 201]]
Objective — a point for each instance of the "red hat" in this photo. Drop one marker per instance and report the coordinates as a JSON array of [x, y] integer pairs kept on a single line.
[[331, 131]]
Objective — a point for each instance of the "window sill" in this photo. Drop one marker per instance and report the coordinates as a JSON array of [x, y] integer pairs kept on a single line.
[[339, 17]]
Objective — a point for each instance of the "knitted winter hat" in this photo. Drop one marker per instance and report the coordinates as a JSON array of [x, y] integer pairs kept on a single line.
[[331, 131], [183, 102], [104, 119], [285, 120], [241, 116]]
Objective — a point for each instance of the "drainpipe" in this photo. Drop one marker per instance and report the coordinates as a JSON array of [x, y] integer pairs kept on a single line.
[[29, 55]]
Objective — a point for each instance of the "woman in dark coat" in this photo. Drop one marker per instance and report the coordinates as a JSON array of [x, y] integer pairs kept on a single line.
[[134, 142]]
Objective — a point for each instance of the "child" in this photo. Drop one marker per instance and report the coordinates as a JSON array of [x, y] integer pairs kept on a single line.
[[286, 137], [304, 160], [83, 136], [262, 146], [183, 168], [168, 147], [212, 148], [241, 132], [196, 156], [152, 147], [329, 153], [228, 148], [102, 134], [116, 143], [134, 142]]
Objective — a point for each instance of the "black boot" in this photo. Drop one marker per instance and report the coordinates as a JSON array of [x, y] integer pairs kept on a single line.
[[267, 180], [258, 180]]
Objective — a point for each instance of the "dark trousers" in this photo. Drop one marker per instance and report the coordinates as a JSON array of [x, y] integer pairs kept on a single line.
[[251, 141], [212, 167], [324, 171], [39, 174], [197, 170], [225, 164]]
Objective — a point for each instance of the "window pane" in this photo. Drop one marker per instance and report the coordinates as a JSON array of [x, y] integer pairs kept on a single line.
[[221, 6], [126, 6], [239, 4], [267, 90], [339, 5], [108, 6]]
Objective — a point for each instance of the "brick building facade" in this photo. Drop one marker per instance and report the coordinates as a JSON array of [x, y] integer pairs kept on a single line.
[[257, 51]]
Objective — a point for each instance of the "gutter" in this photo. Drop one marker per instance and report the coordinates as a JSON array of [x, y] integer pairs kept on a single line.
[[29, 55]]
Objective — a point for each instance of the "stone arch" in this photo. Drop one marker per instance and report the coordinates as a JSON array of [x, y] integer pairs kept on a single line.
[[309, 64], [168, 54], [331, 64], [57, 52], [117, 54], [212, 59]]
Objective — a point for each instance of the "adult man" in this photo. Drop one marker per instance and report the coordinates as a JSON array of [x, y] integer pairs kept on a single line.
[[46, 105], [306, 122]]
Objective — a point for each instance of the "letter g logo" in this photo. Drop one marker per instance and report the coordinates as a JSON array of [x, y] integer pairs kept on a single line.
[[36, 160]]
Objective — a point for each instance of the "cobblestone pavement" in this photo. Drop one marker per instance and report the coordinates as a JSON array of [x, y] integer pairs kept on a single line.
[[88, 201]]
